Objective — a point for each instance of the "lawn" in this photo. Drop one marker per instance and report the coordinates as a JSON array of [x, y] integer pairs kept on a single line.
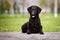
[[9, 23]]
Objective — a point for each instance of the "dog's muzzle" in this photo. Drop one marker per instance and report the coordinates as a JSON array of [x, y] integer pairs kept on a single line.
[[33, 14]]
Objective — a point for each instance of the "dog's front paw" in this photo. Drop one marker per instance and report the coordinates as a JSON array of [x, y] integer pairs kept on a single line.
[[28, 32], [41, 33]]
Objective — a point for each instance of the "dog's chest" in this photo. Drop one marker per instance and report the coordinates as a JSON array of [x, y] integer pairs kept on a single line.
[[34, 26], [34, 23]]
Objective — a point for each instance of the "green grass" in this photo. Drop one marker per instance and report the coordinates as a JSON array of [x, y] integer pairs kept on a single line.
[[9, 23], [50, 23]]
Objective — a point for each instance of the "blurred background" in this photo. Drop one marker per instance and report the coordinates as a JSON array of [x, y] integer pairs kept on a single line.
[[13, 14]]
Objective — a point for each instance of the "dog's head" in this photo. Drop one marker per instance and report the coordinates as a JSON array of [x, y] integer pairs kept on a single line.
[[34, 10]]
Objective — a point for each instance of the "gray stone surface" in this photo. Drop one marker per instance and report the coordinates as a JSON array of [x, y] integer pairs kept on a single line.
[[24, 36]]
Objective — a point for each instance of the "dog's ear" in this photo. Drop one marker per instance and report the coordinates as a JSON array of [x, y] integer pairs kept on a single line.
[[29, 9], [39, 9]]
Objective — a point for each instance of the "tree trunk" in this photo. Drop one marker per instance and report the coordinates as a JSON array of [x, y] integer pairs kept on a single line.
[[55, 8]]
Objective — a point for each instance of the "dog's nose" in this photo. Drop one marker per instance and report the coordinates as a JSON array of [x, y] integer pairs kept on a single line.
[[33, 12]]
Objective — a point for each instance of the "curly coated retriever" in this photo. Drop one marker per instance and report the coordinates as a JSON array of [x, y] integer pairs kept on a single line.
[[34, 24]]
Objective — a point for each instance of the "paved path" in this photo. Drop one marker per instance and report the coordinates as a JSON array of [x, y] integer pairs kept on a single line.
[[21, 36]]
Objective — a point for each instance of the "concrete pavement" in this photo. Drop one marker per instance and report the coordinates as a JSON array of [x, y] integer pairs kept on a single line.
[[24, 36]]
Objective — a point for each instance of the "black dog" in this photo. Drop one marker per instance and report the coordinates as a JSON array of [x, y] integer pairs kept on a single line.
[[34, 24]]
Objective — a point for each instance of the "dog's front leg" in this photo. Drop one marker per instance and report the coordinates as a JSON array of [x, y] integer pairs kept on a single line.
[[28, 29], [41, 32]]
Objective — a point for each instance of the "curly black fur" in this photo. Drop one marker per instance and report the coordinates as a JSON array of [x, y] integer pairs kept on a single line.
[[34, 24]]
